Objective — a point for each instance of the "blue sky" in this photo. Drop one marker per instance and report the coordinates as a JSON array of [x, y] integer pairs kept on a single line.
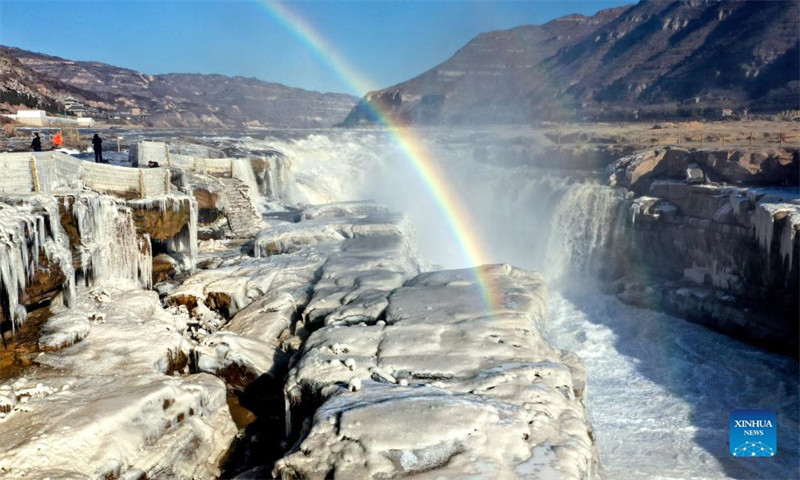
[[387, 42]]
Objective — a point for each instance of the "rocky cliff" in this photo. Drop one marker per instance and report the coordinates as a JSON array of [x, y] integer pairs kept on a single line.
[[713, 237], [172, 100], [654, 58]]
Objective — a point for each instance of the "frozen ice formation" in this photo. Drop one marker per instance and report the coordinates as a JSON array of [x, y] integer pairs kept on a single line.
[[407, 372], [35, 259], [483, 394], [110, 406]]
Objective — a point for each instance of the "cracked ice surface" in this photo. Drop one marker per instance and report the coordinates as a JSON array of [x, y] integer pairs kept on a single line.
[[339, 278], [442, 385], [106, 405]]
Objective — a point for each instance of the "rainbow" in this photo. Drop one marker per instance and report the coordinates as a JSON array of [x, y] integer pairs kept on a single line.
[[451, 208]]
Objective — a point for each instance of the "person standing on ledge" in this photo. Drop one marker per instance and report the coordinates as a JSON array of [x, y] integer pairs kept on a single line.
[[36, 144], [57, 140], [97, 145]]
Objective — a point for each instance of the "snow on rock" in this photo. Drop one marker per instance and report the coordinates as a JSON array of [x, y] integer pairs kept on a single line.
[[226, 289], [353, 265], [66, 329], [447, 387], [356, 281], [109, 406], [263, 321], [694, 174], [239, 360], [34, 254], [285, 238]]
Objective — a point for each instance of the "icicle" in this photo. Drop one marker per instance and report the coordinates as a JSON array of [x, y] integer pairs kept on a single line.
[[787, 242], [764, 226], [29, 231], [111, 247]]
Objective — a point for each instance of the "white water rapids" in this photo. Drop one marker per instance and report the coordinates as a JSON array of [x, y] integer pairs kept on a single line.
[[660, 388]]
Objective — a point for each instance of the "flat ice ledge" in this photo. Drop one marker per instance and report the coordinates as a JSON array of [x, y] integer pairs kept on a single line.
[[444, 386]]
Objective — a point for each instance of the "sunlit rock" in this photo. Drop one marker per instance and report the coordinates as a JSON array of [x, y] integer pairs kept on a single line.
[[445, 386]]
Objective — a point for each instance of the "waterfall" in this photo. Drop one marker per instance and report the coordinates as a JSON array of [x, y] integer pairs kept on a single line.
[[538, 218], [583, 225], [242, 169]]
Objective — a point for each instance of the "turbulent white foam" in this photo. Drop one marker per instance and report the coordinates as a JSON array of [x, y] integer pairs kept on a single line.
[[351, 165]]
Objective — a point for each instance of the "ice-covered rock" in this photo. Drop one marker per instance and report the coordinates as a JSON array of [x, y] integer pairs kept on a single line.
[[35, 259], [227, 289], [110, 405], [104, 237], [478, 392]]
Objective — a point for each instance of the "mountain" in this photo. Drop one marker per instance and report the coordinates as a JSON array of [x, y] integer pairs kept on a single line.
[[171, 100], [655, 58]]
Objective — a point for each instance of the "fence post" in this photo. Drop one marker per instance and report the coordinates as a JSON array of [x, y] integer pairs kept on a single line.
[[167, 185], [34, 174], [166, 151], [780, 139], [723, 139], [141, 183], [750, 140], [232, 168], [195, 165], [118, 149]]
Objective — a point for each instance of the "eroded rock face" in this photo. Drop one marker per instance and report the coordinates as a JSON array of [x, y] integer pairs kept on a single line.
[[162, 220], [722, 256], [738, 167], [443, 385]]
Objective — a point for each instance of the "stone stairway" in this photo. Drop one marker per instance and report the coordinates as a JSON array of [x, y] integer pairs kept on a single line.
[[244, 220]]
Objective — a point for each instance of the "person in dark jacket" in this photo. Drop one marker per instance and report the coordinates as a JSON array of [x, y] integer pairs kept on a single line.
[[36, 144], [97, 145]]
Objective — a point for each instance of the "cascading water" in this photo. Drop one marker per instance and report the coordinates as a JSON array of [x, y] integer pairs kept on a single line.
[[583, 225]]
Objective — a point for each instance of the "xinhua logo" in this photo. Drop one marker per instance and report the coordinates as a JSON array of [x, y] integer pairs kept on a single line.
[[753, 433]]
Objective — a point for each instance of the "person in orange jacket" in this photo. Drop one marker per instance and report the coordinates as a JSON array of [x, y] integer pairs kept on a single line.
[[57, 140]]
